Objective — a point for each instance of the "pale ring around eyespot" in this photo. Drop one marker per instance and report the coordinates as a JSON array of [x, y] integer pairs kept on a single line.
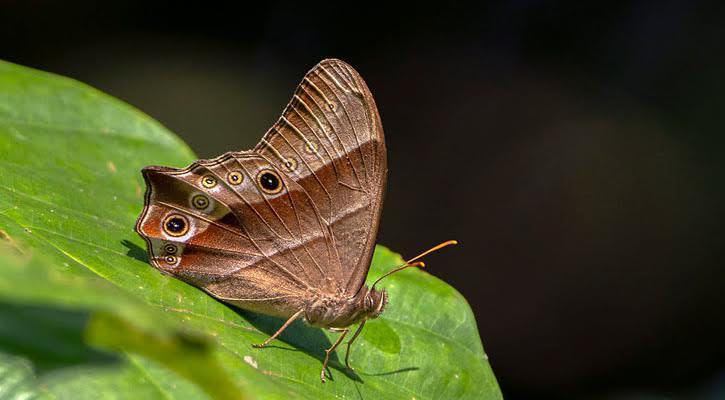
[[208, 181], [200, 201], [175, 225], [170, 249], [171, 260], [266, 180], [289, 164], [235, 178]]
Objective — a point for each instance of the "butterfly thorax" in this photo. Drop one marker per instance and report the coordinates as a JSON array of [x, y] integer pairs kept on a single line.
[[339, 312]]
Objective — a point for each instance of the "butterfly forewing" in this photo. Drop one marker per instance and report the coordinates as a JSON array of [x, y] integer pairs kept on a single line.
[[330, 141]]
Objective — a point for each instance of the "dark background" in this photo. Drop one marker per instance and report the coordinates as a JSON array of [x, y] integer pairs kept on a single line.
[[575, 149]]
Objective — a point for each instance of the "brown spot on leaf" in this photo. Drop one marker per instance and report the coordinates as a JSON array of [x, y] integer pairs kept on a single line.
[[111, 166]]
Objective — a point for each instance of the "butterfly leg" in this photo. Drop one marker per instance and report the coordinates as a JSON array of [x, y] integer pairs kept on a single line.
[[279, 331], [331, 349], [349, 343]]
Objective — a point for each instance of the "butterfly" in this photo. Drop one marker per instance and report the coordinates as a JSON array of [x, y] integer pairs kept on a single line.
[[288, 228]]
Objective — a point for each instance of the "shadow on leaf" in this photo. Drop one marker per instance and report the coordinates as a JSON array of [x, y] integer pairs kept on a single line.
[[135, 251], [307, 339], [397, 371]]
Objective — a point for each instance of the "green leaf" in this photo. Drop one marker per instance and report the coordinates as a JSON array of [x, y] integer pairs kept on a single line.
[[50, 317], [83, 315]]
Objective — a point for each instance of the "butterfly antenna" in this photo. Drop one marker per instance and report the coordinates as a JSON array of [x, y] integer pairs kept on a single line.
[[412, 263]]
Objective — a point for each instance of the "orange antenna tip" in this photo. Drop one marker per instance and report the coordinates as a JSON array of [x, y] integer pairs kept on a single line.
[[411, 264], [432, 249]]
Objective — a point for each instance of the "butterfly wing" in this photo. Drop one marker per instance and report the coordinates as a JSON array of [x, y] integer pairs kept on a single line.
[[330, 140], [215, 226]]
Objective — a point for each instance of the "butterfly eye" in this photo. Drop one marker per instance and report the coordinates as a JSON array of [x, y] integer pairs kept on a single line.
[[368, 302], [171, 260], [170, 249], [200, 201], [235, 177], [176, 225], [269, 182], [208, 181]]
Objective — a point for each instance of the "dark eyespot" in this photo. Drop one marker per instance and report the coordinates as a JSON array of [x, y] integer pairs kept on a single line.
[[170, 259], [208, 181], [269, 181], [176, 225], [235, 177], [200, 201], [170, 249]]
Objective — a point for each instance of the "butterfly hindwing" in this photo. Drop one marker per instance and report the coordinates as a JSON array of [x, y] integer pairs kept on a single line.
[[330, 140]]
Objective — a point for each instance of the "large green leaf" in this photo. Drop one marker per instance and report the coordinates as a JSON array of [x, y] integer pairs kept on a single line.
[[82, 313]]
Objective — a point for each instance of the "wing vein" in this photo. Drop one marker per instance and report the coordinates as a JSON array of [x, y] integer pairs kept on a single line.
[[299, 223], [269, 205], [352, 125], [342, 143]]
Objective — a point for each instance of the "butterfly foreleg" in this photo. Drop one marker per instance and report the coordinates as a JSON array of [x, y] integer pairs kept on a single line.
[[280, 330], [349, 343], [331, 349]]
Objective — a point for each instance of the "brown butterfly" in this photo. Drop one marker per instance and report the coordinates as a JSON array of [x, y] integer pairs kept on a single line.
[[286, 229]]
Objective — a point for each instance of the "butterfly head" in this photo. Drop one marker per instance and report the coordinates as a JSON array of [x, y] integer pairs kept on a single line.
[[374, 303]]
